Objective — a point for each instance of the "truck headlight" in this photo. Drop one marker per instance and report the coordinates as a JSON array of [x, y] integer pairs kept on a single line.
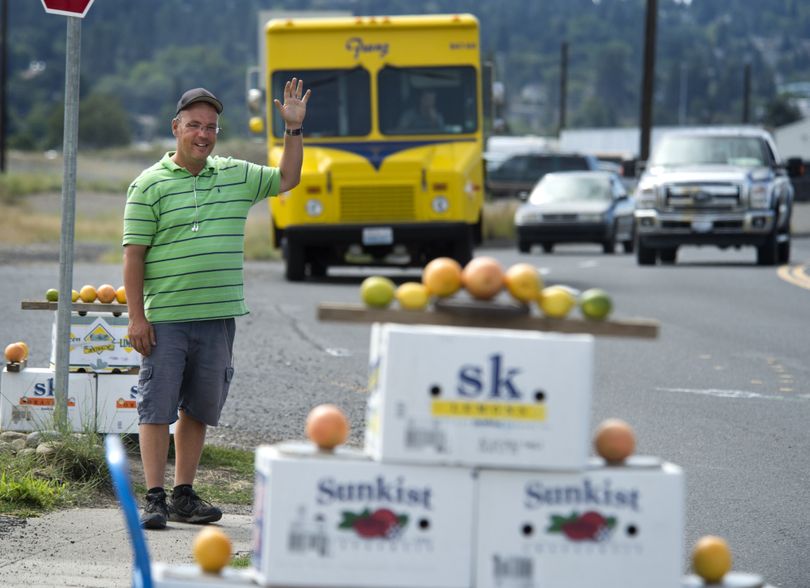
[[759, 195], [314, 207], [440, 204], [645, 198]]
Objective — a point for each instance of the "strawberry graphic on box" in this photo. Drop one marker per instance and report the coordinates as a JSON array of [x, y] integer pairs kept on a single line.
[[381, 523], [588, 526]]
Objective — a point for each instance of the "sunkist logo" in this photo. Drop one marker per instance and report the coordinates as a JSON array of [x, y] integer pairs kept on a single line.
[[380, 490], [473, 383], [356, 46], [586, 492]]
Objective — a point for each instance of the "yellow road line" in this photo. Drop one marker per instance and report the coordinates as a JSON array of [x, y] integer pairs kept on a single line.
[[795, 274]]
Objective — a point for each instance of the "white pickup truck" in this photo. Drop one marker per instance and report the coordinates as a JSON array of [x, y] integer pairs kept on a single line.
[[716, 186]]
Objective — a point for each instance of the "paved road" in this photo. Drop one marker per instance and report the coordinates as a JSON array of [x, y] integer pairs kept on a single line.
[[724, 392]]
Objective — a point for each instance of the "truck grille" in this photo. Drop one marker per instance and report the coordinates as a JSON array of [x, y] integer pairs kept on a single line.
[[704, 196], [376, 203]]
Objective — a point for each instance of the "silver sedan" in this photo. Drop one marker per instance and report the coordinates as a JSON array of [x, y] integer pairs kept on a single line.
[[576, 207]]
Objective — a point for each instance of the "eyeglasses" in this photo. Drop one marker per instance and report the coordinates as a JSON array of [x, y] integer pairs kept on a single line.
[[195, 127]]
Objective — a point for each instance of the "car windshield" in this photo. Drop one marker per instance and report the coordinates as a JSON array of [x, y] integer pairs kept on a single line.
[[343, 102], [427, 100], [565, 188], [530, 168], [706, 150]]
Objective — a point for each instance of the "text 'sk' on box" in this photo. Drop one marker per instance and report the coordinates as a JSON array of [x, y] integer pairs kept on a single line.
[[342, 520], [606, 526], [27, 400], [479, 397]]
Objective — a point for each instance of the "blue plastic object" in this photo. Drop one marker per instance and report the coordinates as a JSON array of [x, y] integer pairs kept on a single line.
[[119, 472]]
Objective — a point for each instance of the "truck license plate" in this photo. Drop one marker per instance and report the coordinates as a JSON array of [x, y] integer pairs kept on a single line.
[[701, 226], [378, 236]]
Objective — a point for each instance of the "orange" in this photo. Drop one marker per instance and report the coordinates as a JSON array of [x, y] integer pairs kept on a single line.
[[711, 558], [105, 293], [442, 276], [523, 282], [483, 277], [327, 426], [212, 549], [614, 440], [121, 295], [87, 293], [15, 352], [24, 345]]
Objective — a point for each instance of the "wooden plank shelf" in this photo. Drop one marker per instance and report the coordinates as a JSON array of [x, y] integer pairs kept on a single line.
[[114, 308], [487, 315]]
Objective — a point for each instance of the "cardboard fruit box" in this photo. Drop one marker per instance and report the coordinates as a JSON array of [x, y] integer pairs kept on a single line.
[[27, 400], [116, 408], [342, 520], [479, 397], [98, 343], [606, 526]]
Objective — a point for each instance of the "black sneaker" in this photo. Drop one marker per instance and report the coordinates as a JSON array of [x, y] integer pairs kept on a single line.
[[155, 512], [186, 507]]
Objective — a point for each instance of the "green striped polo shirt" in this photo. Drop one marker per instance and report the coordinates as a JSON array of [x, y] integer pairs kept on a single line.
[[194, 275]]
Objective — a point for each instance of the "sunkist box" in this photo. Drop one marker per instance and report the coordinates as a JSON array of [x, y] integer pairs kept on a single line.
[[342, 520], [98, 343], [606, 526], [27, 400], [116, 408], [479, 397]]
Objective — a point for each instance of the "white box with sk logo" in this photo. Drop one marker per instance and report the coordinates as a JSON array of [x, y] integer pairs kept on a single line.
[[339, 519], [479, 397]]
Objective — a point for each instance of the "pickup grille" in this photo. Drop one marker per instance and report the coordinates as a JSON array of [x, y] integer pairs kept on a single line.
[[704, 196], [376, 203]]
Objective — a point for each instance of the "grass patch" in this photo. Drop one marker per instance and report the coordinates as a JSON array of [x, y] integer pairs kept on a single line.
[[241, 560]]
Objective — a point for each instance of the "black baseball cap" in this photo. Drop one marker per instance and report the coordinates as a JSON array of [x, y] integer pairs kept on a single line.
[[198, 95]]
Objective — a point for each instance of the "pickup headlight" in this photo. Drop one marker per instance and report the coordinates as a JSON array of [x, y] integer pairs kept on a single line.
[[760, 195], [645, 197]]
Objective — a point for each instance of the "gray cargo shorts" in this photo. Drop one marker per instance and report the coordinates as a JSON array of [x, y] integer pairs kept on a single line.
[[190, 368]]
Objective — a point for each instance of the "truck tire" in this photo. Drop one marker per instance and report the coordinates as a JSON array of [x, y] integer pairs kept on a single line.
[[668, 255], [548, 247], [463, 249], [295, 262], [783, 251], [644, 255], [608, 246], [767, 253], [524, 246]]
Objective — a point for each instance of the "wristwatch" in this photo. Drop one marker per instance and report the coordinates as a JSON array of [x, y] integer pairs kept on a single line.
[[294, 132]]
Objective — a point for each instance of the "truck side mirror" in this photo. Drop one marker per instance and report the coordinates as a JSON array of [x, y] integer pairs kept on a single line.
[[795, 167]]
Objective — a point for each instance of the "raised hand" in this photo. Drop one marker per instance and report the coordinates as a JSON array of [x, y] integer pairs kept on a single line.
[[294, 108]]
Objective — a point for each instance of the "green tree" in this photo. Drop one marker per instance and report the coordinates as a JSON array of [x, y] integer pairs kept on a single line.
[[781, 111]]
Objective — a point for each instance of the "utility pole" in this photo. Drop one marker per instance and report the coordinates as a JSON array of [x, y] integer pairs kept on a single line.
[[746, 93], [3, 78], [563, 84], [648, 80]]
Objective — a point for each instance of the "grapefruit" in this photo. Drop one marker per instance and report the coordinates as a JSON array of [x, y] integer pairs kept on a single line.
[[412, 296], [14, 352], [711, 558], [442, 276], [523, 282], [595, 304], [556, 301], [121, 295], [483, 277], [377, 291], [87, 293], [105, 293], [614, 440], [212, 549], [25, 347], [327, 426], [52, 295]]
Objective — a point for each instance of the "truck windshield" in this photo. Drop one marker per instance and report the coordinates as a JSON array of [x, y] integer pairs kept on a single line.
[[343, 101], [427, 100], [706, 150]]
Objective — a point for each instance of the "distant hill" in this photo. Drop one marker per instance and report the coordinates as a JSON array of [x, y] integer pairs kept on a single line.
[[145, 53]]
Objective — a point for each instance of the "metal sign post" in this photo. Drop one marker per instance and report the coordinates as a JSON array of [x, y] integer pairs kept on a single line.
[[70, 144]]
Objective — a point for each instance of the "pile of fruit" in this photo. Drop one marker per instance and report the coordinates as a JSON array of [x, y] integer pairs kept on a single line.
[[484, 278], [105, 293]]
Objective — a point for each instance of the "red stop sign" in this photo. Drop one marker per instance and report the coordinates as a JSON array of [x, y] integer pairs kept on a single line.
[[67, 7]]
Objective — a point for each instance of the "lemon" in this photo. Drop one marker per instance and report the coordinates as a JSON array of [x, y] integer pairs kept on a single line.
[[52, 295], [74, 295], [413, 296], [711, 558], [377, 291], [212, 549], [556, 301], [595, 304]]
